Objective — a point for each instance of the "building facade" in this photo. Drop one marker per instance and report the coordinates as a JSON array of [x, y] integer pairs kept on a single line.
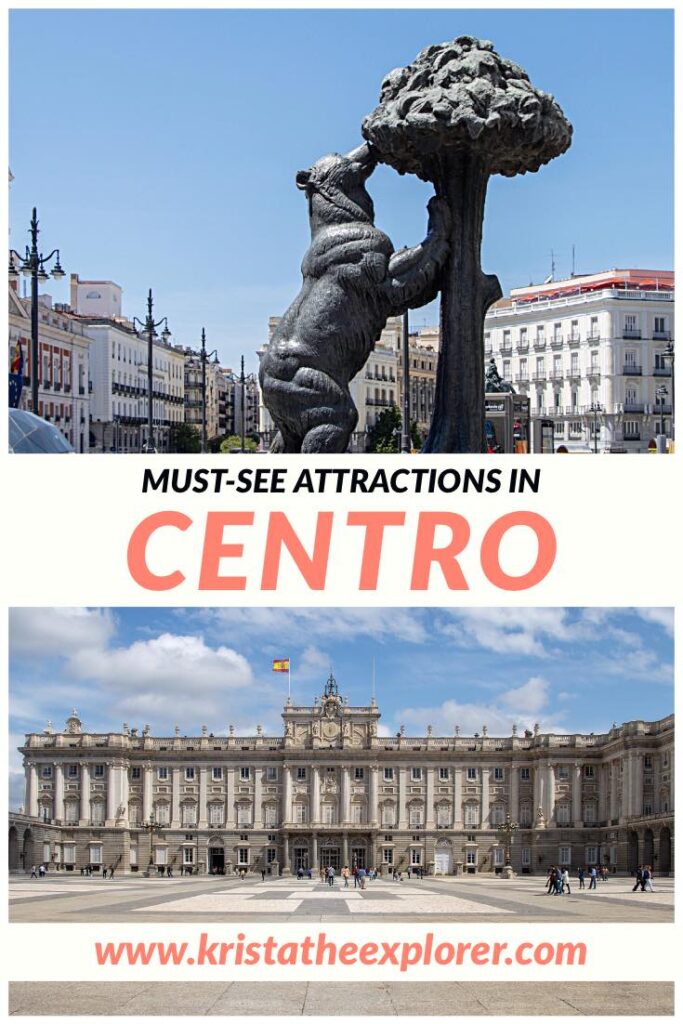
[[119, 360], [64, 386], [594, 355], [330, 790]]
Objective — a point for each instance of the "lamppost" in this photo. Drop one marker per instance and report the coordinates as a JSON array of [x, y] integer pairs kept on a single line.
[[670, 356], [151, 826], [508, 829], [405, 426], [661, 391], [595, 409], [204, 355], [149, 326], [33, 266], [242, 380]]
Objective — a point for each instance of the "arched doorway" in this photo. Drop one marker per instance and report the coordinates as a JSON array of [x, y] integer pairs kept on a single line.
[[632, 860], [28, 855], [13, 849], [664, 865], [216, 859], [648, 847]]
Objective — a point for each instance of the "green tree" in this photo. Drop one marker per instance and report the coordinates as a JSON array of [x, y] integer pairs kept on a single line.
[[233, 443], [385, 436], [185, 438]]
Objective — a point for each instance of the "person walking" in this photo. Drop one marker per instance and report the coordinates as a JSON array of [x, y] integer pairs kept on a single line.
[[345, 876], [330, 876], [355, 876], [647, 879], [263, 874], [639, 880], [34, 872], [565, 882], [550, 881], [594, 878], [582, 874]]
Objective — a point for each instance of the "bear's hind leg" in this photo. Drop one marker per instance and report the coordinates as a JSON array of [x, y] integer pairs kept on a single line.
[[326, 439]]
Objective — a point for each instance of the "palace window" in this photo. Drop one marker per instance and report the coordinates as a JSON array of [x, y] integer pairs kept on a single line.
[[300, 815], [245, 773], [589, 771], [443, 774], [472, 774], [498, 774], [358, 774], [135, 774], [591, 855], [216, 774], [216, 814], [526, 856], [97, 813], [162, 814], [565, 855], [562, 812], [95, 853], [188, 854], [271, 773], [189, 774], [99, 771], [162, 774], [243, 856], [46, 771], [387, 855], [189, 814], [416, 774], [388, 774], [416, 856], [471, 857], [498, 856], [271, 855], [301, 774], [471, 815], [416, 817], [72, 771]]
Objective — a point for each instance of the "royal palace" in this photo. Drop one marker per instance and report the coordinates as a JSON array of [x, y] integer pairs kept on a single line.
[[331, 790]]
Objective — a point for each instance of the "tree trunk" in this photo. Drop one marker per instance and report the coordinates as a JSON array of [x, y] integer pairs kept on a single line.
[[458, 417]]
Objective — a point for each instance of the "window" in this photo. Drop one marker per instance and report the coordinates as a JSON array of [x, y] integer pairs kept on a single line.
[[388, 815], [134, 814], [271, 855], [526, 856], [498, 856], [415, 817], [188, 854], [525, 815], [245, 773], [563, 813], [300, 813], [589, 771], [189, 774], [99, 771], [387, 855], [357, 814], [416, 774], [217, 774], [243, 815], [271, 816], [243, 855], [525, 774], [565, 854], [388, 774], [589, 814], [329, 814], [563, 772], [271, 774], [189, 814], [358, 774], [471, 857], [416, 856], [647, 761], [497, 814], [471, 815], [160, 856], [523, 337], [300, 774], [135, 774], [660, 325], [472, 774], [498, 774], [71, 812], [443, 774], [162, 814], [443, 815], [591, 855], [69, 853], [97, 813], [95, 854], [162, 774], [216, 814]]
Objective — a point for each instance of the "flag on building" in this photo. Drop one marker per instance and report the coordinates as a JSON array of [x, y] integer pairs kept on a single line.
[[16, 376], [281, 665]]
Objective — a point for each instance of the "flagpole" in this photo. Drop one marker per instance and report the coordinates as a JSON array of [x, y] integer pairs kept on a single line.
[[289, 679]]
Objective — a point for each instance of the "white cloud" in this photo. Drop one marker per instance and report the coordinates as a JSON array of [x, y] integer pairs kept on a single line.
[[529, 699], [37, 633], [520, 631], [306, 625], [663, 617]]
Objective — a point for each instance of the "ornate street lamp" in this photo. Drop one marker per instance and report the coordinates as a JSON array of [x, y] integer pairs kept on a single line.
[[594, 410], [204, 355], [405, 446], [149, 326], [661, 391], [242, 380], [507, 830], [670, 355], [32, 265], [152, 826]]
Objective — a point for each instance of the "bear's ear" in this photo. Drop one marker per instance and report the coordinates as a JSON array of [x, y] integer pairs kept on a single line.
[[302, 179]]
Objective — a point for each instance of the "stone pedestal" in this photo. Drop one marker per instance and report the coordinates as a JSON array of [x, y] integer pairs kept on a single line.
[[507, 872]]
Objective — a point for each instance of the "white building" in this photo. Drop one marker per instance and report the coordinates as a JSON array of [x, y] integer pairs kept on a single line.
[[591, 353], [119, 401], [63, 365]]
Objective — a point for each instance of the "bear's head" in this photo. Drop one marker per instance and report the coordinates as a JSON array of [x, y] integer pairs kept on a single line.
[[335, 187]]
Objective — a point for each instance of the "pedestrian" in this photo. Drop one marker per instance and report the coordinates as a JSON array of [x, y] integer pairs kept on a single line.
[[34, 872], [355, 876], [168, 870], [42, 871], [362, 877], [565, 882], [594, 878], [322, 874], [550, 881], [111, 870], [582, 874], [647, 879], [300, 873], [263, 874], [639, 880], [330, 876], [345, 876]]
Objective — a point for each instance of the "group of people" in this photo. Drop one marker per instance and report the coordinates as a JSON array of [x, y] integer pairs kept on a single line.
[[558, 881], [643, 878]]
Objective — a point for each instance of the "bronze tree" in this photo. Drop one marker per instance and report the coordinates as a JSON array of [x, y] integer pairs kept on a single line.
[[458, 114]]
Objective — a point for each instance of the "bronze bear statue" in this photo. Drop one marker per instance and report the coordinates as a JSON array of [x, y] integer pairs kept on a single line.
[[352, 282]]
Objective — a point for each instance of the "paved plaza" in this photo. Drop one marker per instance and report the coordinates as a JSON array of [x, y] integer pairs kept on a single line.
[[66, 898], [419, 999]]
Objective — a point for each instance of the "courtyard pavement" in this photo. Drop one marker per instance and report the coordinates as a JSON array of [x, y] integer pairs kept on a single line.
[[439, 999], [64, 898]]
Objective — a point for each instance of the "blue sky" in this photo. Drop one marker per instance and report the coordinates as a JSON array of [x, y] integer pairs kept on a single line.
[[568, 669], [160, 147]]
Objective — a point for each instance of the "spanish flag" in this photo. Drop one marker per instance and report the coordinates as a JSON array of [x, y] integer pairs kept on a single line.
[[281, 666]]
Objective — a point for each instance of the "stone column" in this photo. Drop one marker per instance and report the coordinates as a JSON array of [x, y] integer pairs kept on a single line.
[[175, 798], [345, 850], [202, 820], [85, 794], [549, 809], [285, 854], [514, 793], [485, 809], [314, 851], [58, 810], [613, 798], [373, 807], [625, 808], [637, 785], [672, 773], [602, 792], [577, 813], [345, 808], [147, 791], [402, 798], [286, 794], [315, 795], [429, 812], [111, 795], [538, 792], [258, 797], [230, 798], [457, 798], [125, 790], [31, 790]]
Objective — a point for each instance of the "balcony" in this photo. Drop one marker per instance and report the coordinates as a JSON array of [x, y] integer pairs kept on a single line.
[[539, 344], [593, 371], [633, 335], [632, 370], [67, 387], [593, 336], [557, 341], [556, 375], [58, 386], [522, 378], [634, 407], [661, 335], [573, 339], [506, 349], [523, 345], [539, 375], [661, 410], [631, 437], [661, 371]]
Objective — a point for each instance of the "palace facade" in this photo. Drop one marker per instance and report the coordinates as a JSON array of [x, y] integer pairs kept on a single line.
[[332, 790]]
